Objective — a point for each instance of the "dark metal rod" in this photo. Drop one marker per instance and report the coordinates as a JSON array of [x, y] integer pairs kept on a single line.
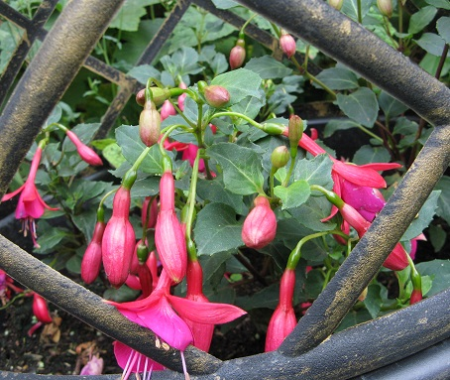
[[92, 310], [60, 57], [41, 16], [344, 40]]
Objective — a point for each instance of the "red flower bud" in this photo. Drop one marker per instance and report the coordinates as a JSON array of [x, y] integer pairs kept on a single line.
[[288, 45], [149, 221], [237, 54], [416, 296], [167, 110], [169, 237], [40, 309], [283, 320], [87, 154], [260, 225], [92, 259], [149, 124], [217, 96], [118, 240], [385, 7]]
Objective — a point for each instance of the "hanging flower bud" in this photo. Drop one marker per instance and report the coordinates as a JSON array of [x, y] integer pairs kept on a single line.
[[92, 259], [40, 309], [182, 97], [287, 44], [280, 157], [237, 54], [416, 296], [260, 225], [216, 96], [336, 4], [118, 240], [385, 7], [169, 237], [149, 124], [149, 212], [295, 129], [283, 320], [167, 110], [87, 154]]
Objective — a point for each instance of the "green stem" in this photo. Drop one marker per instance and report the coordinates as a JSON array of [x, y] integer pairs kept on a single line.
[[371, 134], [295, 255], [359, 11], [272, 180], [236, 114], [191, 209], [288, 176], [246, 23]]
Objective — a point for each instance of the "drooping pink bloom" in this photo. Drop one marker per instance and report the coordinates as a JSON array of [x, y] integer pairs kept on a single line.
[[118, 240], [169, 237], [416, 296], [287, 44], [182, 97], [167, 110], [202, 333], [87, 154], [40, 309], [93, 367], [31, 206], [6, 286], [92, 259], [190, 153], [260, 225], [283, 320]]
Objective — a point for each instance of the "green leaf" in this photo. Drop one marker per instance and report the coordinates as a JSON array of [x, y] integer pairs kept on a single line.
[[432, 43], [338, 78], [85, 222], [443, 209], [439, 271], [74, 263], [438, 237], [249, 106], [219, 64], [123, 294], [350, 8], [225, 4], [354, 317], [367, 154], [214, 191], [130, 14], [391, 106], [424, 218], [373, 300], [128, 139], [266, 298], [114, 155], [242, 170], [421, 19], [268, 67], [217, 230], [49, 237], [445, 4], [294, 195], [361, 106], [338, 125], [316, 171], [143, 72], [443, 27], [239, 83], [311, 213]]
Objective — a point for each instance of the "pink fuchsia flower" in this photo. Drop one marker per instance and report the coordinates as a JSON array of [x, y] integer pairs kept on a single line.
[[31, 206], [6, 286], [87, 154], [93, 367], [40, 309], [182, 97], [416, 296], [283, 320], [118, 240], [169, 237], [167, 110], [260, 225], [92, 259], [287, 44], [190, 153]]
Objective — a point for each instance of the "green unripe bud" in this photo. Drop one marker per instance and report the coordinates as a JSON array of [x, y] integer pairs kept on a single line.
[[201, 86], [336, 4], [142, 253], [216, 96], [273, 128], [280, 157], [159, 95], [295, 129]]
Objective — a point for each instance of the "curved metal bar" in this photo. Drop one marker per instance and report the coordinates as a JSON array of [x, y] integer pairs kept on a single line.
[[91, 309], [344, 40], [61, 55]]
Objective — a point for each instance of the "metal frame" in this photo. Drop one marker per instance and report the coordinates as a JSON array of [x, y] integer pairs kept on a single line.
[[310, 352]]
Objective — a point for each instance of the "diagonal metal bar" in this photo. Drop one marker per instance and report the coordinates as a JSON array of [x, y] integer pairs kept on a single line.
[[150, 52], [347, 41], [60, 57], [346, 354], [32, 32]]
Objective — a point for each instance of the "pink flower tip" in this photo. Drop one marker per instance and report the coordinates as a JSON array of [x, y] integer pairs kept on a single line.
[[87, 154], [260, 225], [288, 45]]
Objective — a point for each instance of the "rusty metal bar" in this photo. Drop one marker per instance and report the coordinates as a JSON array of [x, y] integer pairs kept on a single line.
[[60, 57]]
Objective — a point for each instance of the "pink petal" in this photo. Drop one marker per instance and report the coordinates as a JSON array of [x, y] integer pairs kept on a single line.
[[205, 312], [359, 175], [123, 353], [8, 196], [381, 166]]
